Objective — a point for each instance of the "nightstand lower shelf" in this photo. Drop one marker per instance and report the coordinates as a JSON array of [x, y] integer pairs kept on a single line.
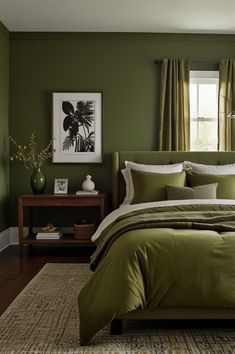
[[66, 239]]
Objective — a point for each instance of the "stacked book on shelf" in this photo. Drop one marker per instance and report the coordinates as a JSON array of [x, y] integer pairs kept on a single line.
[[86, 193], [49, 232]]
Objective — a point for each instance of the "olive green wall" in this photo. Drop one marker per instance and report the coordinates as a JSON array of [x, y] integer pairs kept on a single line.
[[4, 96], [120, 65]]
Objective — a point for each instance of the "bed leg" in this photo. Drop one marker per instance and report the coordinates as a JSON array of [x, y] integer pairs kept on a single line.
[[116, 327]]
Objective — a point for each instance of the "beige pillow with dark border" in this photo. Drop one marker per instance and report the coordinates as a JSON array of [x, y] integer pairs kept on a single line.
[[207, 191]]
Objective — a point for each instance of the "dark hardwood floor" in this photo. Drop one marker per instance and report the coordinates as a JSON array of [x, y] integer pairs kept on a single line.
[[16, 272]]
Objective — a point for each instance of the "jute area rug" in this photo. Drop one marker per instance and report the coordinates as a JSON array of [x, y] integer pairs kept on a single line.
[[44, 319]]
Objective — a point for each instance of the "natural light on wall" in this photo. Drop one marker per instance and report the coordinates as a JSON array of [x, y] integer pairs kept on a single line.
[[204, 110]]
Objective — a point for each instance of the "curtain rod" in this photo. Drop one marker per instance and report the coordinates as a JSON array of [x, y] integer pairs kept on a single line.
[[159, 61]]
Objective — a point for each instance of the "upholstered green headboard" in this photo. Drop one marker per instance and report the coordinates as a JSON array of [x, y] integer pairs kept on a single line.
[[160, 158]]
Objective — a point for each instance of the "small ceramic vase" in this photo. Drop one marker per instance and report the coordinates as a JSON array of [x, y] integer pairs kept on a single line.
[[88, 185], [38, 181]]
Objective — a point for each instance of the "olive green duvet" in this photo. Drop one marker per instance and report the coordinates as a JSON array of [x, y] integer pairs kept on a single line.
[[160, 256]]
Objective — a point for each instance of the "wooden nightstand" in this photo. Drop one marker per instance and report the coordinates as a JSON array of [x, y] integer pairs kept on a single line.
[[52, 200]]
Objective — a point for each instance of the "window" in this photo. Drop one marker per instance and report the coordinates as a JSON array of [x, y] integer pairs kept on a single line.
[[204, 110]]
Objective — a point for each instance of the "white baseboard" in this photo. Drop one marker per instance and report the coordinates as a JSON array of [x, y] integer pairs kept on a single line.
[[4, 239], [9, 237], [14, 235]]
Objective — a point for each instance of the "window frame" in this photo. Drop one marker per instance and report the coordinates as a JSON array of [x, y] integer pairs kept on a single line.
[[204, 77]]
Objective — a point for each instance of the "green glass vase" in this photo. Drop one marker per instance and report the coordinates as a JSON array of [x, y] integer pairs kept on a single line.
[[38, 181]]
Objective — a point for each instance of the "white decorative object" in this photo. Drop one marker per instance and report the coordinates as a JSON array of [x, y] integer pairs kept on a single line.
[[88, 185]]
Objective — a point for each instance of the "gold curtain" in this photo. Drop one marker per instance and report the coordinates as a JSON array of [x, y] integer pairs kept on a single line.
[[173, 132], [226, 103]]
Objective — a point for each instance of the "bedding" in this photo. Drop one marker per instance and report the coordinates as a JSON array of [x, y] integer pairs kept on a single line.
[[168, 168], [207, 191], [161, 254], [126, 172], [226, 183], [149, 186], [227, 169]]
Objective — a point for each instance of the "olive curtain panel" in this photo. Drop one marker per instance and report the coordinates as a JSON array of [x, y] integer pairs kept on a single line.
[[173, 129], [226, 103]]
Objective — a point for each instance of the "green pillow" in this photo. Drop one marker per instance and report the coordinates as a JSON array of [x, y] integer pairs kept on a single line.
[[150, 186], [226, 183], [207, 191]]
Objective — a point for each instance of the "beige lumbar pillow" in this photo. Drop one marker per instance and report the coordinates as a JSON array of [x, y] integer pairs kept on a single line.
[[207, 191]]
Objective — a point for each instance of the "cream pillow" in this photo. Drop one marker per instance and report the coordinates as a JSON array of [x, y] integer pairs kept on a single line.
[[228, 169], [171, 168]]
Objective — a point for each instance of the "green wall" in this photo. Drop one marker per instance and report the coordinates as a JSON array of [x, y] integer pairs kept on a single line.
[[120, 65], [4, 96]]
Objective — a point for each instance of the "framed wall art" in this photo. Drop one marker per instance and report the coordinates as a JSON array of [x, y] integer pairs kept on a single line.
[[77, 127]]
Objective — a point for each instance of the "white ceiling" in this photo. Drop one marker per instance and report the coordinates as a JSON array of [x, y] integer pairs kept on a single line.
[[169, 16]]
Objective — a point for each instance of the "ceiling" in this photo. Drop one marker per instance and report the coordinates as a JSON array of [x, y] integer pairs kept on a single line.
[[169, 16]]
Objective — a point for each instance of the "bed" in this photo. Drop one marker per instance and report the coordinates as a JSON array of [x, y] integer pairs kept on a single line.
[[147, 252]]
